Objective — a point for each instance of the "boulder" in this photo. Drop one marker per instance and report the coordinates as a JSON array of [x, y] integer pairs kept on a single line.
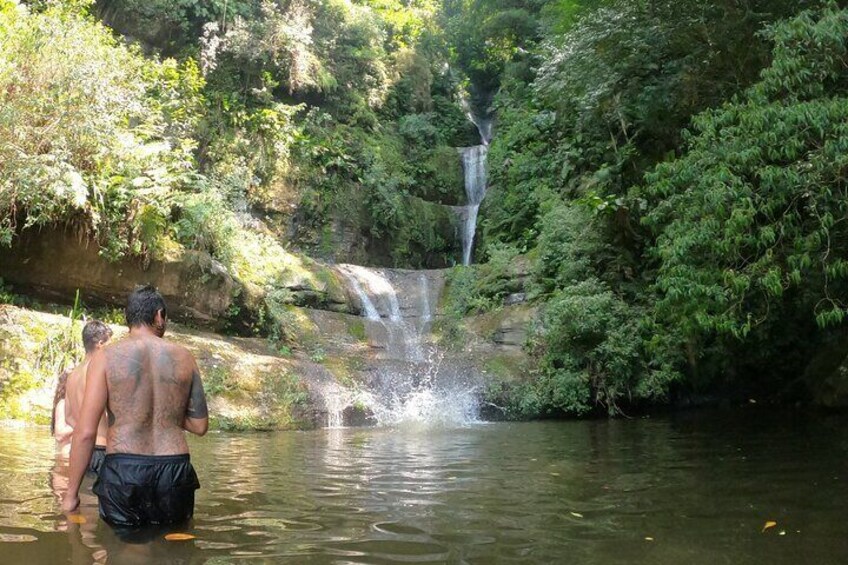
[[507, 327]]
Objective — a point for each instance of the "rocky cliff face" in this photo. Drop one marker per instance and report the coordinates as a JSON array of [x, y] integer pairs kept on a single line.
[[331, 347], [52, 263]]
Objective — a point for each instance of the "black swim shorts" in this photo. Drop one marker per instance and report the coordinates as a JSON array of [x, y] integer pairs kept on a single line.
[[97, 457], [144, 490]]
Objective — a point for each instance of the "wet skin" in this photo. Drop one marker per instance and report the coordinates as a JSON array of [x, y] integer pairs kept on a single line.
[[63, 430], [152, 392], [75, 391], [153, 387]]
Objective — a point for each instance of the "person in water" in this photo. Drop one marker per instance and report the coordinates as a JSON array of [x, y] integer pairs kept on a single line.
[[95, 336], [59, 427], [152, 392]]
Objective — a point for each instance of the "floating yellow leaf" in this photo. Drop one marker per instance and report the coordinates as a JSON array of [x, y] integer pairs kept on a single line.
[[179, 537], [555, 474], [76, 519], [577, 514], [649, 538], [769, 524]]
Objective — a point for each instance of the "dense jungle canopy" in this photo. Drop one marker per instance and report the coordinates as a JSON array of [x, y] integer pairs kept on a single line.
[[667, 179]]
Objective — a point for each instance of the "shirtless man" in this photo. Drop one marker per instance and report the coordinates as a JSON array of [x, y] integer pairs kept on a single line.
[[95, 336], [152, 392]]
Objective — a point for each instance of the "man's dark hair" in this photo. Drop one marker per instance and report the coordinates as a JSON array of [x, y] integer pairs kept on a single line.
[[142, 306], [93, 333]]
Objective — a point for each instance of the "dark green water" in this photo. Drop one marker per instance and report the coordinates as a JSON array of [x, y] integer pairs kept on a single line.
[[701, 485]]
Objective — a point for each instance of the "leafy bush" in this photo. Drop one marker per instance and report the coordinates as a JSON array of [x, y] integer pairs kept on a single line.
[[754, 209], [570, 247], [91, 130], [480, 288], [591, 349]]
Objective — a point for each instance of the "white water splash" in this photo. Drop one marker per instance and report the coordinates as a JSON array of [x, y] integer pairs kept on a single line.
[[409, 385], [424, 397], [428, 407], [337, 399]]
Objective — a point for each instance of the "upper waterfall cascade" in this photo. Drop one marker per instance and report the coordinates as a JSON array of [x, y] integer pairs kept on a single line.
[[408, 382], [475, 177], [474, 171]]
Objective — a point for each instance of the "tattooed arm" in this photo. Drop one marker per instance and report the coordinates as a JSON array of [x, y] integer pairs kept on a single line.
[[197, 415]]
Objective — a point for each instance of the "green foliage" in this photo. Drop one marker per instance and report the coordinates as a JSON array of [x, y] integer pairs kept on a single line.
[[751, 215], [591, 349], [170, 25], [54, 349], [8, 296], [570, 247], [282, 323], [743, 227], [144, 153], [480, 288], [610, 100], [97, 138], [217, 382], [487, 35], [380, 187], [521, 171]]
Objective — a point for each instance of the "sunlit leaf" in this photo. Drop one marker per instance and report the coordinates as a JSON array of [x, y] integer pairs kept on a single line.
[[179, 537], [769, 524]]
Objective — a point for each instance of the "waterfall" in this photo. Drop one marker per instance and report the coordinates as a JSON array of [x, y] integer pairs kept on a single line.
[[482, 123], [408, 384], [367, 306], [426, 314], [374, 288], [474, 170]]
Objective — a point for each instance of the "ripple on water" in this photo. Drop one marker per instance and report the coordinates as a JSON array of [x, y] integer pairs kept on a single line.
[[17, 538], [397, 528], [397, 550], [481, 495]]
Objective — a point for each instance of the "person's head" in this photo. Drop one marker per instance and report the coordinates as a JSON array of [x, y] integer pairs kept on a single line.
[[58, 395], [95, 335], [146, 307]]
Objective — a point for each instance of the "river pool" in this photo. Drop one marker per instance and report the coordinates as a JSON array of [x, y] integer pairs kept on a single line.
[[692, 488]]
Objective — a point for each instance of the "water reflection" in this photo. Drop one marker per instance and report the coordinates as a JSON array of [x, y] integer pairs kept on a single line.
[[699, 486]]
